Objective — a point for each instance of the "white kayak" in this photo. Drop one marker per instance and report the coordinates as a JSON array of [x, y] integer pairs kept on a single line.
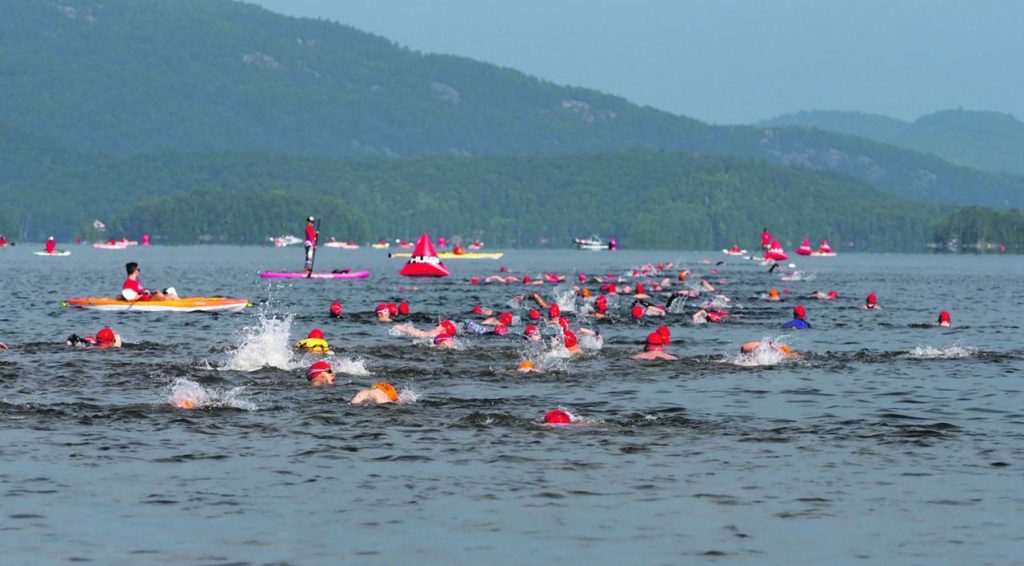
[[58, 253]]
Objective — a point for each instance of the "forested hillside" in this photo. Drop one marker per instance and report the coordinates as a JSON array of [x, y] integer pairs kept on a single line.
[[129, 77], [991, 141]]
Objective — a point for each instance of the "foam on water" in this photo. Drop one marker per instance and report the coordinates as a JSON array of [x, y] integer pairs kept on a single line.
[[187, 394], [407, 395], [349, 366], [764, 355], [955, 351], [268, 344]]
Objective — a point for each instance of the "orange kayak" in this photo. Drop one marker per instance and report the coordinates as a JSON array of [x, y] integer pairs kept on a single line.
[[187, 304]]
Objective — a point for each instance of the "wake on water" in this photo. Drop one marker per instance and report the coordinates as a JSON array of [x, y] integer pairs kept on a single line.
[[187, 394], [955, 351]]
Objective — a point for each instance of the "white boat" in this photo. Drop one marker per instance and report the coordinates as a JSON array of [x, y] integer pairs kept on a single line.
[[595, 244], [341, 245], [286, 240]]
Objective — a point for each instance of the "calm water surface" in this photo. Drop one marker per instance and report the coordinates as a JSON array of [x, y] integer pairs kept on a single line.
[[892, 442]]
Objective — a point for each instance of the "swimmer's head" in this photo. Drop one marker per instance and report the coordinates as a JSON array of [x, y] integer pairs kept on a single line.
[[585, 293], [382, 311], [531, 331], [833, 295], [316, 333], [639, 288], [682, 276], [501, 330], [563, 321], [477, 309], [773, 293], [583, 278], [944, 318], [503, 269], [320, 372], [570, 339], [655, 342], [105, 337], [505, 318], [336, 309], [601, 304], [525, 365], [637, 312], [388, 390], [392, 309], [558, 416], [526, 279], [799, 312], [534, 314], [403, 308], [554, 312], [666, 334], [871, 301], [785, 349], [449, 327]]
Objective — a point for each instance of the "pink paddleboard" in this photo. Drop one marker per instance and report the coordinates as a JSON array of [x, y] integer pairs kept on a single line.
[[321, 275]]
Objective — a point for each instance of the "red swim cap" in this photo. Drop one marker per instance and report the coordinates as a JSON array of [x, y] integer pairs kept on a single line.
[[554, 312], [563, 321], [638, 312], [655, 339], [403, 308], [534, 314], [665, 333], [477, 309], [474, 280], [443, 337], [582, 278], [335, 308], [531, 330], [105, 336], [449, 327], [317, 368], [872, 299], [381, 308], [501, 330], [639, 288], [799, 312], [393, 309], [558, 416], [316, 333], [505, 318], [570, 338], [833, 295], [526, 279], [503, 269], [944, 317]]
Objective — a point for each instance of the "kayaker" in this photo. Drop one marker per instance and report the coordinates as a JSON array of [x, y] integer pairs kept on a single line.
[[798, 322], [654, 348], [132, 290], [378, 394], [314, 343], [458, 250], [310, 244], [51, 245], [320, 373]]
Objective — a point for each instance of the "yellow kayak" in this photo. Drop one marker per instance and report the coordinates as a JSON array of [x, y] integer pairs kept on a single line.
[[187, 304], [450, 255]]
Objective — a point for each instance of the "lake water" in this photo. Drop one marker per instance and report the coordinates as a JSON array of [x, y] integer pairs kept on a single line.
[[892, 442]]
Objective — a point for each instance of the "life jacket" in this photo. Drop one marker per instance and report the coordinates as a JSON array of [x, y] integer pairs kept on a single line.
[[314, 345]]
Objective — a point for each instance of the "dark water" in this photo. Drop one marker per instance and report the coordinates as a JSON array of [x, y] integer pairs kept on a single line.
[[890, 442]]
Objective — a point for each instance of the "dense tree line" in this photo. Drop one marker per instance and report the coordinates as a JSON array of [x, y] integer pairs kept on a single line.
[[981, 229]]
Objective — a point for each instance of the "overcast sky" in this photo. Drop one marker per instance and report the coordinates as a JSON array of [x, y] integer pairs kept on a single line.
[[727, 61]]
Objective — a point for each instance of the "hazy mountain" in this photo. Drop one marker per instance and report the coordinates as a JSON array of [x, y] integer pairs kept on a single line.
[[991, 141]]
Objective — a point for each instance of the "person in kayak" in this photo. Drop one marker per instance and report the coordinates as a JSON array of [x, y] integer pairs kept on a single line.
[[310, 244], [798, 322], [378, 394], [105, 338], [51, 245], [654, 348], [314, 343], [132, 290], [320, 373]]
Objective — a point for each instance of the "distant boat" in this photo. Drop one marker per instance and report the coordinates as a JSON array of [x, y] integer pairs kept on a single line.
[[381, 245], [594, 243], [282, 241], [735, 250], [341, 245]]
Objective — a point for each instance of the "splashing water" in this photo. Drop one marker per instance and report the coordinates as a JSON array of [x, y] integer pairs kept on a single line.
[[408, 396], [187, 394], [948, 353], [764, 355], [265, 345], [349, 366]]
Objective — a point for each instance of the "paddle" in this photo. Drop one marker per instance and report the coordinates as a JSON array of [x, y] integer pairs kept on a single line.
[[316, 242]]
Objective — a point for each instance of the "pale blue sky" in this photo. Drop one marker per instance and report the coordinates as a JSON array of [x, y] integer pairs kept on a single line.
[[727, 61]]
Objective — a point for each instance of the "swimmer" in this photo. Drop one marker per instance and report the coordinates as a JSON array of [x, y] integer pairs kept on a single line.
[[751, 347], [639, 292], [554, 313], [320, 373], [378, 394], [571, 343], [600, 307], [831, 295], [444, 327], [477, 309], [871, 303], [383, 313], [336, 309], [3, 347], [944, 319], [532, 333], [798, 322], [704, 315], [503, 319], [534, 315], [105, 338], [526, 366], [314, 343], [773, 295], [558, 417], [654, 348], [648, 309]]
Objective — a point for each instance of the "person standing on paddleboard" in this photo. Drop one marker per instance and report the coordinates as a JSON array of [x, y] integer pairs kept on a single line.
[[310, 244], [51, 245]]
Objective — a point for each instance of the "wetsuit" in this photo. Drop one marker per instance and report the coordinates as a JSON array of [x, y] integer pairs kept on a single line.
[[797, 323]]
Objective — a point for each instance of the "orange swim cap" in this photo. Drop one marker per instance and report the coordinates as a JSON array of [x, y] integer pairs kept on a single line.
[[585, 293], [785, 349], [773, 293], [185, 404], [526, 364], [388, 390]]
